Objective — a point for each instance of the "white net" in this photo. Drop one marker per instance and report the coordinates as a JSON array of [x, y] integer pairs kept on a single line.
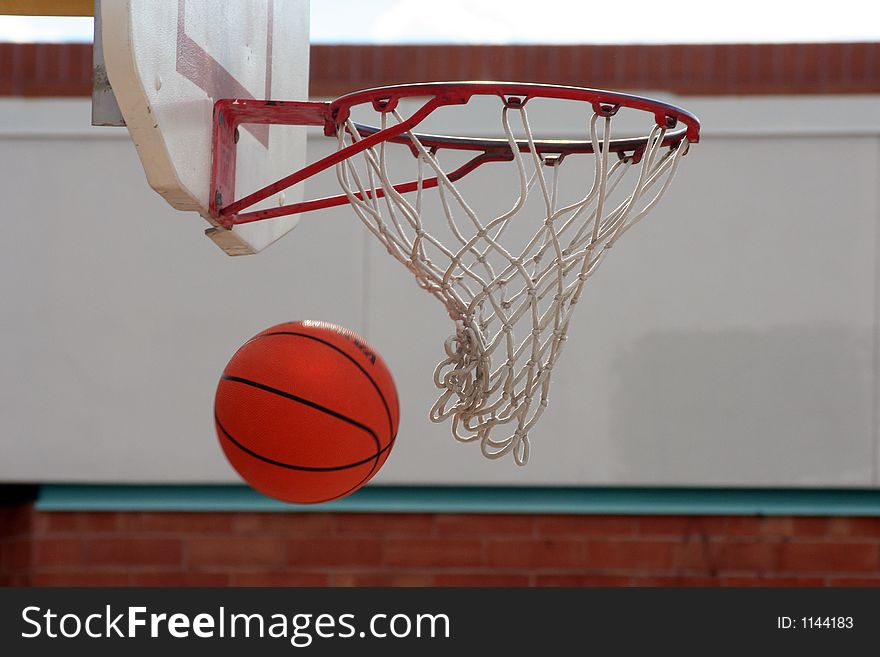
[[509, 280]]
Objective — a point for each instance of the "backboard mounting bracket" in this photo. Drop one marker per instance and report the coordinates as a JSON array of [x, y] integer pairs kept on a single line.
[[105, 109]]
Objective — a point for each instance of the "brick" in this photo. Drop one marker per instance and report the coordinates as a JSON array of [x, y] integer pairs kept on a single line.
[[636, 554], [537, 554], [58, 552], [135, 552], [280, 579], [491, 64], [67, 522], [179, 579], [744, 555], [202, 553], [384, 524], [80, 578], [693, 554], [758, 526], [747, 580], [854, 527], [829, 557], [668, 525], [597, 63], [56, 522], [435, 552], [179, 523], [17, 522], [834, 73], [334, 552], [809, 526], [677, 65], [854, 581], [484, 525], [582, 580], [585, 526], [786, 73], [863, 64], [283, 524], [621, 63], [7, 71], [481, 579], [676, 580], [99, 521], [382, 579], [18, 555], [740, 526], [712, 525]]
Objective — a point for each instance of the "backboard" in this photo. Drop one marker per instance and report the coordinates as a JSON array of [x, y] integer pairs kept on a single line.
[[168, 61]]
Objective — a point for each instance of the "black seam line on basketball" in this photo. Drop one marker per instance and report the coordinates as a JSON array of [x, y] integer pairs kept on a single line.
[[291, 466], [340, 351], [305, 402], [260, 386], [343, 353], [373, 469]]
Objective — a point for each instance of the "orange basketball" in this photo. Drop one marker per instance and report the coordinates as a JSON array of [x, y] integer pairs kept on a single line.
[[306, 412]]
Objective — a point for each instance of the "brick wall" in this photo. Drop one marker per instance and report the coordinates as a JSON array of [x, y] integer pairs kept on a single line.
[[320, 549], [816, 68]]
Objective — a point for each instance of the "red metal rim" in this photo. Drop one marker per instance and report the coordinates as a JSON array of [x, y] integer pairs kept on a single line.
[[679, 122], [679, 125]]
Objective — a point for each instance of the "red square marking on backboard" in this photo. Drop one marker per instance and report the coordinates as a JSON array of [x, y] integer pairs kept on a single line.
[[198, 66]]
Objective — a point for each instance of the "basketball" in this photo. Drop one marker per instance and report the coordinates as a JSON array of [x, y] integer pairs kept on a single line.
[[306, 412]]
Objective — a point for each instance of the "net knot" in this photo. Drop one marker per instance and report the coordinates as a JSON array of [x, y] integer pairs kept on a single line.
[[463, 374]]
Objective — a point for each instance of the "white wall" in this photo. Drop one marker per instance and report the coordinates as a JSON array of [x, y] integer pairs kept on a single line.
[[730, 339]]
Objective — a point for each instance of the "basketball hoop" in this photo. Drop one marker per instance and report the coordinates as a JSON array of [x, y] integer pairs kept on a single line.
[[510, 298]]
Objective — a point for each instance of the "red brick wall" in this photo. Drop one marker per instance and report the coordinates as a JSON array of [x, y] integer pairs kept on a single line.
[[320, 549], [816, 68], [42, 69], [686, 69]]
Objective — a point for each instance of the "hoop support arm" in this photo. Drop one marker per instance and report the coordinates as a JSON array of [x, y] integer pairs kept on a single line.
[[343, 199], [230, 113]]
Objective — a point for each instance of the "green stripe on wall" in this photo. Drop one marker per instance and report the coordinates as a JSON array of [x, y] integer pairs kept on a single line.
[[393, 499]]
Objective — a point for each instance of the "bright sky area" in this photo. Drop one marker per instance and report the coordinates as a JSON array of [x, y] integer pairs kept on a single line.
[[547, 21]]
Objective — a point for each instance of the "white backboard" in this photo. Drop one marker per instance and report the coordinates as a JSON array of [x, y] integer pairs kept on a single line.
[[168, 61]]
